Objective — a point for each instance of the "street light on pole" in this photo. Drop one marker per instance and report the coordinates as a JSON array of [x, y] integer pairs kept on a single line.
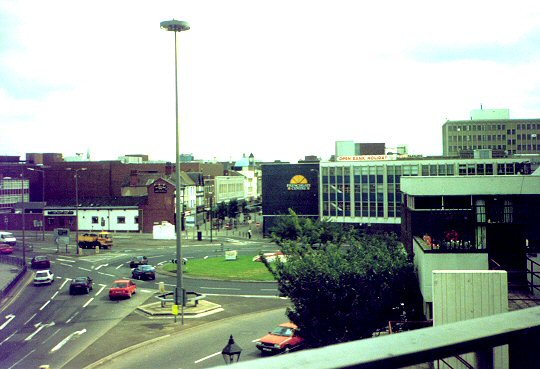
[[76, 206], [177, 26]]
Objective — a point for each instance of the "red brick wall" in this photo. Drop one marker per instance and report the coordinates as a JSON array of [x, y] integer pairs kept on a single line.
[[160, 206]]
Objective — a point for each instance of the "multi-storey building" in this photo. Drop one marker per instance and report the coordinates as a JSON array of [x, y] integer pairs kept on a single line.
[[491, 129], [365, 190]]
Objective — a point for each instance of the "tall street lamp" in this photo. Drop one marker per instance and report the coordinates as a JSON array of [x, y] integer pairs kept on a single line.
[[231, 352], [42, 199], [76, 205], [177, 26]]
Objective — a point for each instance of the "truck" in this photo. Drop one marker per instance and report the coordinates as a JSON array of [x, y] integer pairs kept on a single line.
[[91, 240]]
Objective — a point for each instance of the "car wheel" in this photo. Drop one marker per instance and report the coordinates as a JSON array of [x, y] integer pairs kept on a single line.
[[286, 350], [87, 290]]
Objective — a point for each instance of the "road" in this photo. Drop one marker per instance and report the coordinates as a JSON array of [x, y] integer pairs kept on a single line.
[[45, 325], [201, 347]]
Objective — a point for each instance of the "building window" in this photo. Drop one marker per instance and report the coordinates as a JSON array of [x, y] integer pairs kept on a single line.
[[136, 220], [121, 220], [95, 220]]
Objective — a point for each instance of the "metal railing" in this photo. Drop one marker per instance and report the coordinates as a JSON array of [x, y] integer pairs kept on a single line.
[[520, 330]]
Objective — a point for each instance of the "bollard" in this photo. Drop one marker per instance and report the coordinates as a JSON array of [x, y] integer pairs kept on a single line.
[[97, 249], [162, 287]]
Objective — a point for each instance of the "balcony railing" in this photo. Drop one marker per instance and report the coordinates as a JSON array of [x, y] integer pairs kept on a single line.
[[520, 330]]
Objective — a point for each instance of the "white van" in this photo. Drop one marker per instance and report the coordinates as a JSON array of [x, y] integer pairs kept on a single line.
[[7, 237]]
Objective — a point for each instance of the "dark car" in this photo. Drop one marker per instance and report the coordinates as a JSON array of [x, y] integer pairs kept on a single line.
[[40, 262], [80, 285], [144, 272], [138, 260]]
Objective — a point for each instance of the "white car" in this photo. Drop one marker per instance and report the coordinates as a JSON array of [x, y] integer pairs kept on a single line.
[[43, 277]]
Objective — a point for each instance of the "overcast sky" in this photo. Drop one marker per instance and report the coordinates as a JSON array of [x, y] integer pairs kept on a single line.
[[279, 79]]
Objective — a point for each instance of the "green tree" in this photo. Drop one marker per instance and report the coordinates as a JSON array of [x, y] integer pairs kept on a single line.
[[232, 208], [221, 211], [343, 292]]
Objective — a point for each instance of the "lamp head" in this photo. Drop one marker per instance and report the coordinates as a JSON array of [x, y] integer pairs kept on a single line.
[[175, 25]]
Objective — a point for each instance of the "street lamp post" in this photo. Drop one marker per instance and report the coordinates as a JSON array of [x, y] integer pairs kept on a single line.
[[42, 199], [177, 26], [211, 214], [231, 351], [76, 206]]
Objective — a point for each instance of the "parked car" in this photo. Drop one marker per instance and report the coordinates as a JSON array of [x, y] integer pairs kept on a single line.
[[5, 249], [144, 272], [43, 277], [122, 288], [138, 260], [282, 339], [40, 262], [80, 284], [8, 237]]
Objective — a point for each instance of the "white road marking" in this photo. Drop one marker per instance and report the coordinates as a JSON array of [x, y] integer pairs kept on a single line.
[[102, 265], [7, 338], [119, 266], [87, 302], [101, 289], [54, 295], [88, 270], [208, 357], [32, 317], [66, 260], [71, 317], [9, 318], [52, 335], [24, 357], [65, 340], [220, 288], [146, 291], [63, 284], [68, 265], [107, 274], [44, 305], [39, 327]]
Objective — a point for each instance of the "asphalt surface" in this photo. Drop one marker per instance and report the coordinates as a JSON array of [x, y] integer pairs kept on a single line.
[[139, 327]]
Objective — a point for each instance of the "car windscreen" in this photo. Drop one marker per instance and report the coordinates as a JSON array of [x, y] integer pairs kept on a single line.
[[42, 274], [79, 280], [282, 331], [146, 268], [120, 285]]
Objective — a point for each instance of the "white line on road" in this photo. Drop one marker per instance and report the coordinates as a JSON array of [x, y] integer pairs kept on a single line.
[[24, 357], [52, 335], [88, 270], [68, 265], [65, 340], [66, 260], [220, 288], [107, 274], [101, 289], [9, 318], [119, 266], [207, 357], [102, 265], [71, 317], [7, 338], [32, 317], [87, 302], [39, 327], [63, 284], [43, 306], [54, 295]]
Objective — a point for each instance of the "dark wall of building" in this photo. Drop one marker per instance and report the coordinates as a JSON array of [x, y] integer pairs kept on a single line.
[[160, 206], [281, 191]]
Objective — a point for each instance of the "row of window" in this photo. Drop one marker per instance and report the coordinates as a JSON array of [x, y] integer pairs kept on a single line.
[[479, 138], [493, 127], [367, 192], [119, 220]]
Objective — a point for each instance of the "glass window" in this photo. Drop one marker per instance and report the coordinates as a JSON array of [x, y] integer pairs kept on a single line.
[[121, 220], [95, 220]]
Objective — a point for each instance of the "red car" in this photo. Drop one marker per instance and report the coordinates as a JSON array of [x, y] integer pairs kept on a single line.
[[282, 339], [5, 249], [122, 288]]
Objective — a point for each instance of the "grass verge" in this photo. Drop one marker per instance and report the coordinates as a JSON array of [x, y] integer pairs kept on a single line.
[[243, 268]]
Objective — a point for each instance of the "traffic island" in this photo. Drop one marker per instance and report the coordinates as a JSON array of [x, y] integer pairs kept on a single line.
[[191, 310]]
